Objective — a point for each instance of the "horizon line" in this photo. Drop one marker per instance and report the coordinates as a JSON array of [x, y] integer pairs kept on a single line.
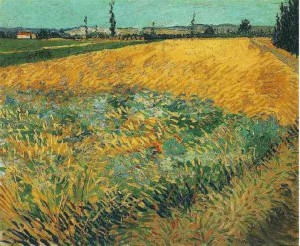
[[161, 26]]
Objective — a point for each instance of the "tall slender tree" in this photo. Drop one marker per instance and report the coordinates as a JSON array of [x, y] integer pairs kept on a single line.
[[153, 28], [286, 32], [193, 25], [86, 27], [112, 19]]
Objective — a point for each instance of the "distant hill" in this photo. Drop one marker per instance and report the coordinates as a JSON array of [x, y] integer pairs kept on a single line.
[[80, 31], [200, 28]]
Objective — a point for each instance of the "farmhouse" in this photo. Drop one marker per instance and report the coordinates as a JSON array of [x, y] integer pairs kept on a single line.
[[26, 35]]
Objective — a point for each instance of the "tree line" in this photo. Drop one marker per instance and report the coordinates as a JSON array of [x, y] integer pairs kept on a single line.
[[286, 32]]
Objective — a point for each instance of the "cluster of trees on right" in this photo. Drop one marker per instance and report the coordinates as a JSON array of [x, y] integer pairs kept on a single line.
[[286, 33]]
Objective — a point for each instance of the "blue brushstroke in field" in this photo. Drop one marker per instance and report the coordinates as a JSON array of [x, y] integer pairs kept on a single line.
[[135, 13]]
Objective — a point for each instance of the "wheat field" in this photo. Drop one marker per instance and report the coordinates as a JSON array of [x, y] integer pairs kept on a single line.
[[237, 74], [112, 147]]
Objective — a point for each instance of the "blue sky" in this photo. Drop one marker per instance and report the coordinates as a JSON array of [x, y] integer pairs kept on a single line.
[[135, 13]]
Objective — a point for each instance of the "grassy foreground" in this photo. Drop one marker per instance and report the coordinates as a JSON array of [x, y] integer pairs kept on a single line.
[[79, 169]]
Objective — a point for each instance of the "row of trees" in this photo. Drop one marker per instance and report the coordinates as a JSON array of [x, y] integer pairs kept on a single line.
[[286, 33], [245, 27], [112, 20], [45, 34], [42, 34]]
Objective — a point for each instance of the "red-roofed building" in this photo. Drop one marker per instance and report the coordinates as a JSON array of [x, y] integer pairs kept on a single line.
[[26, 35]]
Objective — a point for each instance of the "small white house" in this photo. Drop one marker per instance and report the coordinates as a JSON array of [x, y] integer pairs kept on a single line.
[[26, 35]]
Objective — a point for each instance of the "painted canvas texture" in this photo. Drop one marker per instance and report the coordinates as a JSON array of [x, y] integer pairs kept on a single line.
[[155, 123]]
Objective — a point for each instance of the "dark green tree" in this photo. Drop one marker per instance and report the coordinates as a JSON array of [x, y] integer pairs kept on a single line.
[[86, 27], [44, 34], [209, 31], [286, 32], [2, 34], [112, 19], [245, 27], [193, 25], [153, 28]]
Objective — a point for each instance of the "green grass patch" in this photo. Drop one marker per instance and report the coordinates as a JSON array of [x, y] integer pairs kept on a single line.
[[31, 56], [12, 45]]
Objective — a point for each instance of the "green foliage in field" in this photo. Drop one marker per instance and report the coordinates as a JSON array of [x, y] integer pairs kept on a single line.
[[12, 45], [80, 168], [34, 52]]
